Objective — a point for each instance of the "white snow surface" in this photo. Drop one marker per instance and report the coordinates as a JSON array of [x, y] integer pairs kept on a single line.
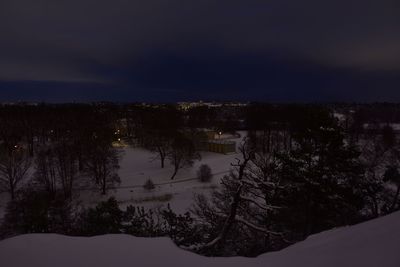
[[138, 165], [370, 244]]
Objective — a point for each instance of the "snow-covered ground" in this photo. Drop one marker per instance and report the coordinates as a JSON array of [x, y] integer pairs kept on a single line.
[[137, 165], [370, 244]]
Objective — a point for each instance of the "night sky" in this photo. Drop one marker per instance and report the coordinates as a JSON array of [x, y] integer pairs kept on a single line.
[[170, 50]]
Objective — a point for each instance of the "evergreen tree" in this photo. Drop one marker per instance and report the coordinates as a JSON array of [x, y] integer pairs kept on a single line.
[[37, 212], [105, 218], [392, 175], [323, 177]]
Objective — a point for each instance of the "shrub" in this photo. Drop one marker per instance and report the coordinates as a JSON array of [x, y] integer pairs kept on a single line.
[[149, 185], [143, 223], [36, 212], [161, 198], [105, 218], [204, 173]]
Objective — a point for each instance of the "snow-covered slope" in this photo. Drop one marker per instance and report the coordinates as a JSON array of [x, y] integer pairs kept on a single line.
[[371, 244]]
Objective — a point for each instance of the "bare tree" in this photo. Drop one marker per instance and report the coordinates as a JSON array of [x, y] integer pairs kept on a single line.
[[46, 170], [160, 145], [231, 214], [67, 167], [14, 165], [101, 164], [245, 202], [182, 154]]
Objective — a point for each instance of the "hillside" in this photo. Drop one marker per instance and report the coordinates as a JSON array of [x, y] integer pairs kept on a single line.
[[371, 244]]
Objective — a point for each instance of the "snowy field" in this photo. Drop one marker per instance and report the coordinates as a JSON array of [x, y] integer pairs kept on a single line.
[[137, 165], [370, 244]]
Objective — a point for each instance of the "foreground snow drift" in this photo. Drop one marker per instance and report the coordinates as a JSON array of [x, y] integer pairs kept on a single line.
[[370, 244]]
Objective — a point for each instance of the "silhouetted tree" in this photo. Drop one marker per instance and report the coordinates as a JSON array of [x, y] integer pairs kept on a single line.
[[46, 170], [34, 211], [67, 166], [101, 163], [182, 153], [392, 175], [324, 181], [14, 165], [105, 218]]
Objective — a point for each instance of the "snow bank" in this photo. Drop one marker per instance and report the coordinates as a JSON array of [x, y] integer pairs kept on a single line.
[[370, 244]]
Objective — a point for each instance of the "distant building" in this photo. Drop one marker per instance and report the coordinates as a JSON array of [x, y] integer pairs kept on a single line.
[[222, 146], [218, 142]]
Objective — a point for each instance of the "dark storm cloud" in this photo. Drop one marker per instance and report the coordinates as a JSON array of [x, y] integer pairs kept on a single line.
[[169, 50]]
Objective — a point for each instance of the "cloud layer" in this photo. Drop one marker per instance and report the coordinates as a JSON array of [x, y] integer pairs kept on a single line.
[[167, 50]]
